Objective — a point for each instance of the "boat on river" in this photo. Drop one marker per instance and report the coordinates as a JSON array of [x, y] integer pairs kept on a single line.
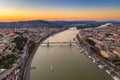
[[116, 78], [101, 66], [81, 50], [51, 68]]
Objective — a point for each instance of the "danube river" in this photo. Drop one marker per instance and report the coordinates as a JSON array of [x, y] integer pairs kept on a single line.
[[62, 62]]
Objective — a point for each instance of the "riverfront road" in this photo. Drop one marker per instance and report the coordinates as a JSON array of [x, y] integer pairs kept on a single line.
[[27, 68], [27, 65]]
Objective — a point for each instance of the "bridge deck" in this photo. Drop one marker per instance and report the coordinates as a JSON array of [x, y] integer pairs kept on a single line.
[[56, 42]]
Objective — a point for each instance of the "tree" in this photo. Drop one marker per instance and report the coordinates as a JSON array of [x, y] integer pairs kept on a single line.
[[20, 42], [91, 42]]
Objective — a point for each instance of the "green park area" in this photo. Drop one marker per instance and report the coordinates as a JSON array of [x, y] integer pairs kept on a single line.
[[6, 62]]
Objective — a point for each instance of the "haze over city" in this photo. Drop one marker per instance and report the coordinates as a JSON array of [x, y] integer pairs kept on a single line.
[[20, 10]]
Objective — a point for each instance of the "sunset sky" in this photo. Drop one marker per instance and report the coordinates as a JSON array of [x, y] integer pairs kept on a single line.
[[19, 10]]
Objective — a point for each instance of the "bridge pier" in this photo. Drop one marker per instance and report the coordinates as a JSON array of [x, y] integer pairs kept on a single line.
[[48, 44], [70, 44]]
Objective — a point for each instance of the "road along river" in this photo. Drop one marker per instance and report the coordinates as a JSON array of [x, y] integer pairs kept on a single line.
[[62, 62]]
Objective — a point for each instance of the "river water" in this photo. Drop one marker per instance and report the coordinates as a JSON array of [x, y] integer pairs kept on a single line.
[[62, 62]]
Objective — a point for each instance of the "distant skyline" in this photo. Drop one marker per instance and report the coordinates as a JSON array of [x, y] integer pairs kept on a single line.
[[21, 10]]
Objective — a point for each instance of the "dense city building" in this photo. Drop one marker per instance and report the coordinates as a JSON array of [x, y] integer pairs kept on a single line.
[[16, 45], [106, 37]]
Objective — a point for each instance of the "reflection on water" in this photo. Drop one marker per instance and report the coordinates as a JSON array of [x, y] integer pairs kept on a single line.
[[64, 62]]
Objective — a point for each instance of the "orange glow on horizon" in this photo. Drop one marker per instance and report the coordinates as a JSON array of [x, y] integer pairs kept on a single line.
[[23, 15]]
